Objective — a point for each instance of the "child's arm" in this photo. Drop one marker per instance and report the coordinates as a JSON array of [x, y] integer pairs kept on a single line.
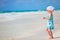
[[48, 18], [45, 18]]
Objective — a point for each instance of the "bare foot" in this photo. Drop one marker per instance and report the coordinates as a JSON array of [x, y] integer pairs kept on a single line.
[[51, 37]]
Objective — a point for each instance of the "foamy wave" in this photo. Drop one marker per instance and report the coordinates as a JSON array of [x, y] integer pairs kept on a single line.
[[15, 15], [9, 16]]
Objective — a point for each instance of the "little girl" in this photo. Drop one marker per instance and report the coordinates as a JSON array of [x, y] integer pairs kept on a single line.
[[50, 24]]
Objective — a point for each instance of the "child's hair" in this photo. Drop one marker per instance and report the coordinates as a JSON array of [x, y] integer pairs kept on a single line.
[[50, 8]]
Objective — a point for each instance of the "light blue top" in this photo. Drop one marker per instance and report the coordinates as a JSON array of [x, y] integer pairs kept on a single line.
[[50, 23]]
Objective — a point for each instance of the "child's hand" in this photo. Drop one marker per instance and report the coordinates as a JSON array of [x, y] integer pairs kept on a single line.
[[44, 17]]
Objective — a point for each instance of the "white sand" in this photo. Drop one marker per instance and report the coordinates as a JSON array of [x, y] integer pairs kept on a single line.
[[26, 26]]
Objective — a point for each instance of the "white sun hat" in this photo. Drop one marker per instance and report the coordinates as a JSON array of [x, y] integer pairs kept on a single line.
[[50, 8]]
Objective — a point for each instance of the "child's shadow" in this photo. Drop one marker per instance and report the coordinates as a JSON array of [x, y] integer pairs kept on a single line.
[[56, 37]]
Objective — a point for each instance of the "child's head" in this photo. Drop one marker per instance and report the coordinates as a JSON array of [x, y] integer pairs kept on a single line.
[[50, 9]]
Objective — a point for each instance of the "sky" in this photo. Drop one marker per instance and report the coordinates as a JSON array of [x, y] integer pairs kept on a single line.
[[18, 5]]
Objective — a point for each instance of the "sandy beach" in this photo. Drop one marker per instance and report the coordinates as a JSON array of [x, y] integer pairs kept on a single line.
[[27, 26]]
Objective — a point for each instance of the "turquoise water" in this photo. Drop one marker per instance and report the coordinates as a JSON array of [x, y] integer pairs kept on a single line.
[[19, 11]]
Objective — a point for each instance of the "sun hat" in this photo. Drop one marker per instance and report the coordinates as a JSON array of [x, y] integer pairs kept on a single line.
[[50, 8]]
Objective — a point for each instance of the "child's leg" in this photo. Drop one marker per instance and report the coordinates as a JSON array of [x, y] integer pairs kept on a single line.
[[50, 33]]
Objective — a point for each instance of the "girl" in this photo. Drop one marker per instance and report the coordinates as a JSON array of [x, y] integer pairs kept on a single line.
[[50, 24]]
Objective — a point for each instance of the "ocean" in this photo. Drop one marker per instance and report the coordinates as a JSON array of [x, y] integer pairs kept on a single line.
[[27, 5]]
